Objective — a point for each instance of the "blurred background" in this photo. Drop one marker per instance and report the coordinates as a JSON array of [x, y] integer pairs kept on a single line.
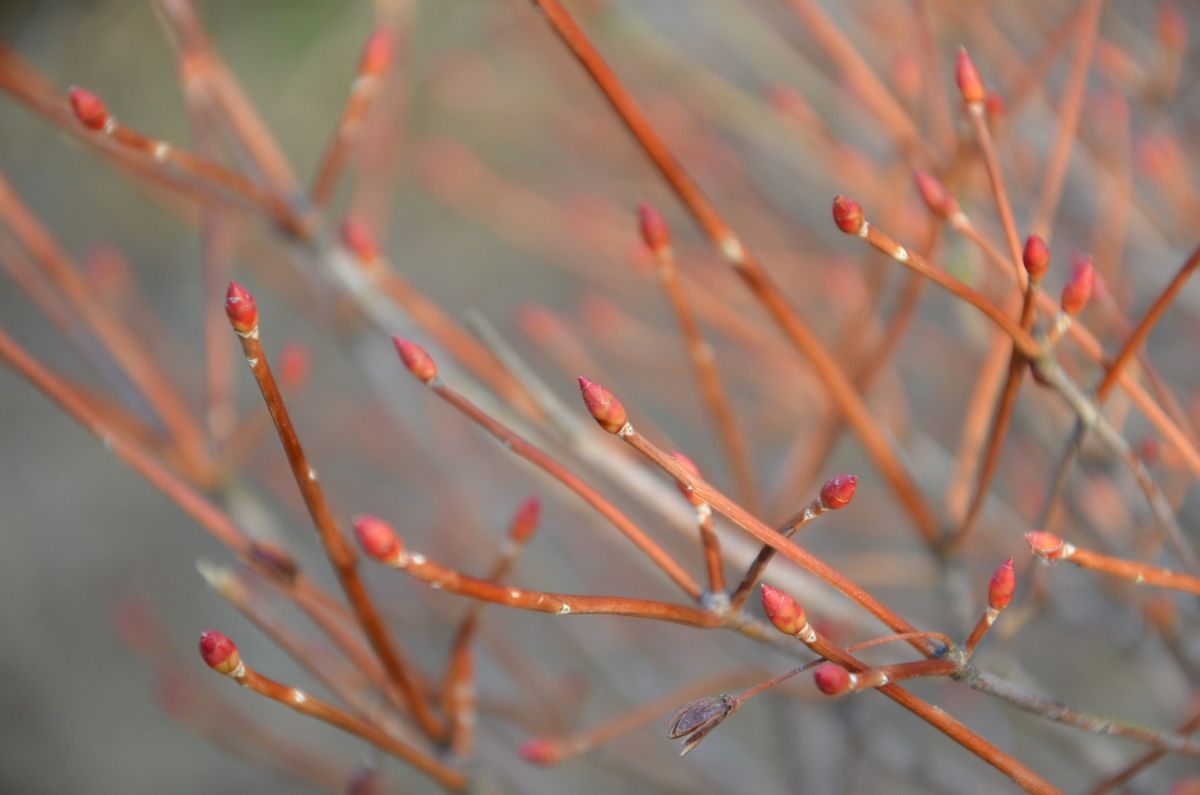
[[499, 183]]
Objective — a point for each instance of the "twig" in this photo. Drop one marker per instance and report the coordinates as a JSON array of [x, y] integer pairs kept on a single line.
[[220, 653], [243, 316]]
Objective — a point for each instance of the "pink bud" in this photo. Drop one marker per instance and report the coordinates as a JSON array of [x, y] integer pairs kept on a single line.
[[294, 365], [418, 362], [970, 85], [782, 610], [1036, 257], [241, 309], [377, 52], [934, 194], [1078, 291], [847, 215], [603, 406], [219, 652], [377, 538], [1002, 585], [525, 520], [654, 229], [89, 109], [540, 751], [838, 491], [832, 679], [359, 239], [1047, 546]]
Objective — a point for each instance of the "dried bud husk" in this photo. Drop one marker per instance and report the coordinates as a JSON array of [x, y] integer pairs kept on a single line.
[[696, 719]]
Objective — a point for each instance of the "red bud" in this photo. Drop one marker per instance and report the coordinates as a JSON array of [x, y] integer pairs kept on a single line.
[[654, 229], [993, 103], [1002, 585], [832, 679], [847, 215], [89, 109], [970, 85], [525, 520], [294, 365], [603, 405], [838, 491], [1078, 291], [377, 52], [1045, 545], [934, 194], [418, 362], [782, 610], [1036, 257], [540, 751], [377, 538], [219, 652], [359, 239], [241, 309]]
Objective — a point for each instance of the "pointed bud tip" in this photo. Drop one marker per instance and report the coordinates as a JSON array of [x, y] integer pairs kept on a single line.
[[89, 109], [377, 538], [838, 491], [603, 405], [241, 308], [377, 52], [416, 359], [1002, 586], [219, 652], [970, 84], [832, 679], [655, 233], [848, 215]]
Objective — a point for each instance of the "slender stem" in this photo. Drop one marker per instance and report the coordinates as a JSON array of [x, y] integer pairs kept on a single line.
[[363, 91], [1135, 340], [205, 68], [866, 84], [1127, 773], [754, 571], [118, 340], [747, 267], [1090, 415], [1037, 704], [557, 749], [206, 172], [1023, 341], [520, 447], [1055, 170], [1021, 775], [711, 544], [708, 378], [465, 348], [451, 581], [766, 535], [991, 161], [312, 707], [340, 553], [1132, 570], [164, 480]]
